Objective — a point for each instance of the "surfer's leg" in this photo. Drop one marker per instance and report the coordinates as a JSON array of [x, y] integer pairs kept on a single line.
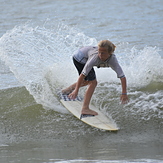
[[69, 89], [89, 92]]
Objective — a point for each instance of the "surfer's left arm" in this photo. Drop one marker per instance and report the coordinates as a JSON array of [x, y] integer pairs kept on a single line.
[[120, 74], [124, 97]]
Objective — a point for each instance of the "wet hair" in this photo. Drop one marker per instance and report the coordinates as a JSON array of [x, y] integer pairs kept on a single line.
[[108, 45]]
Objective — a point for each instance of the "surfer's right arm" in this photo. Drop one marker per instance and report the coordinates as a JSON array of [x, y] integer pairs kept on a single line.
[[78, 85]]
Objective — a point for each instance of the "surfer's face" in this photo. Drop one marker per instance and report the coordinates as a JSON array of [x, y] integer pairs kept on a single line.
[[103, 54]]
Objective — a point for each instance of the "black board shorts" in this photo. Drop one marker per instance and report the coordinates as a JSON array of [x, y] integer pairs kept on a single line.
[[79, 66]]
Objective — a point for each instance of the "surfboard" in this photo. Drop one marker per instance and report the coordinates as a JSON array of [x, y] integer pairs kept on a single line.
[[100, 121]]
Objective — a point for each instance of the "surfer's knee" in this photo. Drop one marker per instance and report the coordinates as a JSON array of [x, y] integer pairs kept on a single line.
[[85, 83], [93, 83]]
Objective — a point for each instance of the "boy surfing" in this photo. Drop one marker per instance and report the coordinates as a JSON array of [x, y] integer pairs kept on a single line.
[[84, 60]]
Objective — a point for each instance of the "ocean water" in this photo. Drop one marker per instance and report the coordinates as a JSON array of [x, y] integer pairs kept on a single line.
[[37, 41]]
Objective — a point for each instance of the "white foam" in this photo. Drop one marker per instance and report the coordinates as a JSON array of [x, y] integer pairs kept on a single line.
[[142, 66]]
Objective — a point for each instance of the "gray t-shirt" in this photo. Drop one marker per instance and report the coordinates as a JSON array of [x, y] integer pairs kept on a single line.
[[89, 56]]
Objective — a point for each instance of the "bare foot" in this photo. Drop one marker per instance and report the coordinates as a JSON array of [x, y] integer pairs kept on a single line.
[[89, 111]]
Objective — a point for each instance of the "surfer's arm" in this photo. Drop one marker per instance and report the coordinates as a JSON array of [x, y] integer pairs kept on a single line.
[[124, 97], [78, 85]]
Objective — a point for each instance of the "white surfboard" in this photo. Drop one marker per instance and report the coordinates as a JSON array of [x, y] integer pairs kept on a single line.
[[100, 121]]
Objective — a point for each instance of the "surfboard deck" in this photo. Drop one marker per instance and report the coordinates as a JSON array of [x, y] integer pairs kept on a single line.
[[100, 121]]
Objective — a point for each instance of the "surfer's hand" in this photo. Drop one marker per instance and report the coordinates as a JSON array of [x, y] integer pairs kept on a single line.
[[124, 99], [73, 95]]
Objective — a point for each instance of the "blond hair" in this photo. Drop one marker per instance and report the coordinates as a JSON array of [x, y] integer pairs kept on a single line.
[[108, 45]]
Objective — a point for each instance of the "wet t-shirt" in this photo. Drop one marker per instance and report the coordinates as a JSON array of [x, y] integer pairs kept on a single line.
[[89, 56]]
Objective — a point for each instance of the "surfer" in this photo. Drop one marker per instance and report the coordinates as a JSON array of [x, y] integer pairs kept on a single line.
[[84, 60]]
